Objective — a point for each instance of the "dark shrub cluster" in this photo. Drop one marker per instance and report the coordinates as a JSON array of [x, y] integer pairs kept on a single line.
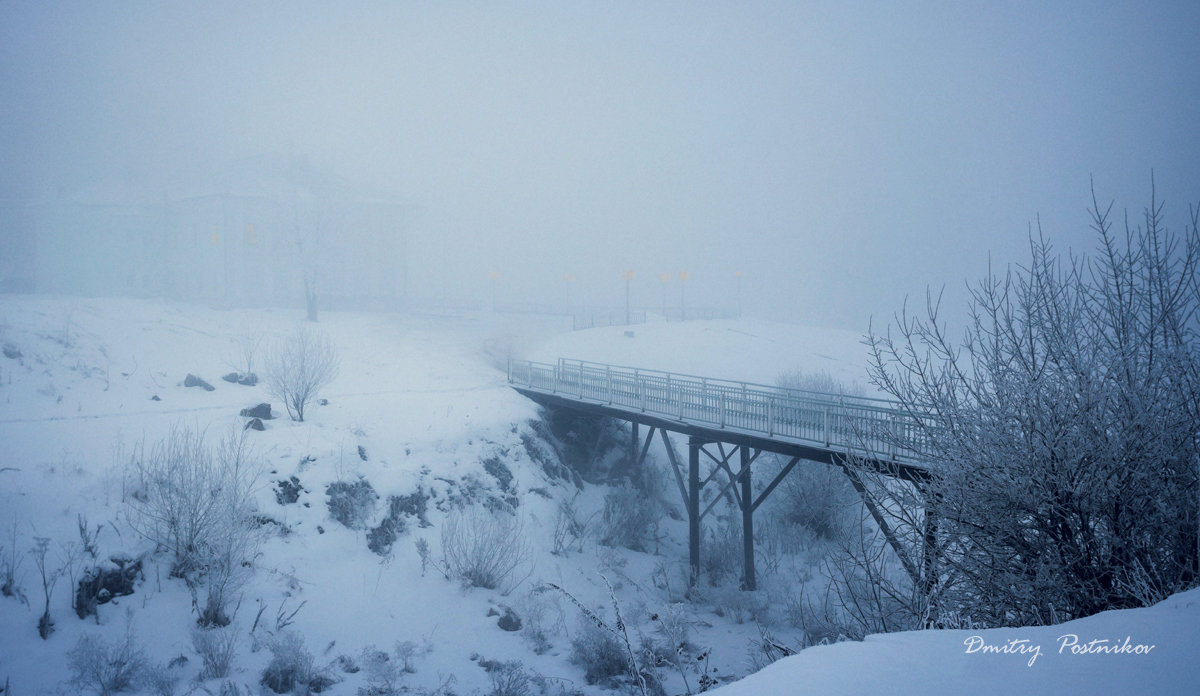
[[351, 502]]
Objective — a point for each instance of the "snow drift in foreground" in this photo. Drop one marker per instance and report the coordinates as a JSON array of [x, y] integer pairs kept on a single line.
[[1148, 651]]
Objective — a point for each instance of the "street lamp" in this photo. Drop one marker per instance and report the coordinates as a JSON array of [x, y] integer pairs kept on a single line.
[[569, 278], [665, 278], [738, 276], [628, 276], [683, 276]]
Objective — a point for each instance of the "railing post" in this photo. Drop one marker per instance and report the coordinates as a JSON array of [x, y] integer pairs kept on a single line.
[[637, 380], [722, 410], [771, 416], [608, 375], [826, 428], [581, 379]]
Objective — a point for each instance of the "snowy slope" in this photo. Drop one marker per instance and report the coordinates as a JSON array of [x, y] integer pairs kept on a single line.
[[425, 398]]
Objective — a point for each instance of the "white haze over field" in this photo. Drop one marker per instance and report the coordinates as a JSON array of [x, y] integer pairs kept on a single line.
[[839, 157]]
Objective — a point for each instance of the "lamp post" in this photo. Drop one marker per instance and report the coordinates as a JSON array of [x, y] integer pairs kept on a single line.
[[738, 276], [665, 278], [683, 276], [569, 278], [628, 276]]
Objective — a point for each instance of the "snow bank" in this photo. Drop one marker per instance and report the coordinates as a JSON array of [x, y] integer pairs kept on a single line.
[[1148, 651]]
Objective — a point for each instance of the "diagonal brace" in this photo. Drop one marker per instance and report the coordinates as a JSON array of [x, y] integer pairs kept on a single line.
[[778, 479]]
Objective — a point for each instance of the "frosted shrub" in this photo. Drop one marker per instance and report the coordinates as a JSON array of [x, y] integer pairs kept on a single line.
[[819, 498], [160, 679], [384, 672], [298, 367], [599, 653], [630, 518], [197, 503], [191, 501], [10, 562], [510, 679], [292, 668], [484, 548], [217, 648], [104, 668]]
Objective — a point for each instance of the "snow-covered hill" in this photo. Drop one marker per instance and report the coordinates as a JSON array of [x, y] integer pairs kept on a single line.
[[421, 408]]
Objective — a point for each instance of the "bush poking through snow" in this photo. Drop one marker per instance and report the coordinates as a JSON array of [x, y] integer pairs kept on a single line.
[[510, 679], [197, 504], [599, 648], [569, 529], [49, 580], [483, 548], [381, 538], [599, 653], [351, 502], [298, 367], [10, 562], [819, 498], [630, 518], [384, 671], [292, 669], [193, 502], [105, 668], [160, 679], [217, 648]]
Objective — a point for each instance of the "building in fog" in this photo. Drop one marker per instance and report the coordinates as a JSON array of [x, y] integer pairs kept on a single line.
[[249, 236]]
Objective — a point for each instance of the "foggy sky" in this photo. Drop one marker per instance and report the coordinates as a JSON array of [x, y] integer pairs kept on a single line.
[[839, 157]]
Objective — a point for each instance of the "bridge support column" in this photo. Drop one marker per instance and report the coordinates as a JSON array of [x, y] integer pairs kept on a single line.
[[633, 446], [747, 505], [693, 503]]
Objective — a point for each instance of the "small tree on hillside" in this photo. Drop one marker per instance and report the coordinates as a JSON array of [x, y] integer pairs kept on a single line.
[[298, 367], [1064, 428]]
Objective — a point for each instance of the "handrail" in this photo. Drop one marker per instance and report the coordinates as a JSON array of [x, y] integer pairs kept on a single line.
[[831, 421], [769, 387]]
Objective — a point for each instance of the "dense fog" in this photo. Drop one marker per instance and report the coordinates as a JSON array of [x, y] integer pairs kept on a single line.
[[804, 160]]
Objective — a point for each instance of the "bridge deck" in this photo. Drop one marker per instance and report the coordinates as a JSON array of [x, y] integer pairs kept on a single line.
[[811, 425]]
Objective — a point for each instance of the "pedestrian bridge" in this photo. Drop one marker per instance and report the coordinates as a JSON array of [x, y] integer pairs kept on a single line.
[[750, 419]]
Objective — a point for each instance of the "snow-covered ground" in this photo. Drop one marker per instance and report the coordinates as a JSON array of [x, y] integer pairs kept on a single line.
[[1133, 651], [419, 405]]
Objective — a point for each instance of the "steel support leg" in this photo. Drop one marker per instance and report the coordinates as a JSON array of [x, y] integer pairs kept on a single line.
[[747, 523], [694, 508]]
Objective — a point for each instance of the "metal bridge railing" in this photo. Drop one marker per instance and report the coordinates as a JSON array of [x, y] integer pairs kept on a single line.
[[875, 427]]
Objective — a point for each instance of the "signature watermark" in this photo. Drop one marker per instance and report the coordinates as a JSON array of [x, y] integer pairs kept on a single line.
[[1068, 644]]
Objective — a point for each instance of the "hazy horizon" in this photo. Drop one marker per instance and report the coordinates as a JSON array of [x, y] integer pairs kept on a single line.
[[838, 158]]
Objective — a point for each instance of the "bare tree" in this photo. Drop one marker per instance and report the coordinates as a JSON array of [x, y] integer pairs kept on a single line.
[[1063, 430], [298, 367], [242, 357]]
